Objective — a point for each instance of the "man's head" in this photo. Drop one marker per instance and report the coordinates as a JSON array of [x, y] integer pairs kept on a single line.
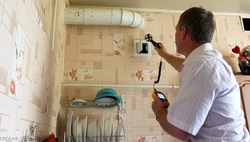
[[196, 23]]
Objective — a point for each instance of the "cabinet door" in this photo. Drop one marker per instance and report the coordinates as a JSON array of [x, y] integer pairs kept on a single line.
[[245, 98], [244, 82]]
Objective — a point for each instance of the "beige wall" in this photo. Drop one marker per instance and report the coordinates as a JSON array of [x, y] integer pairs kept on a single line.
[[91, 49], [28, 61]]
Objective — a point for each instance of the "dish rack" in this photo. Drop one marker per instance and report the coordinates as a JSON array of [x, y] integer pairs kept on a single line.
[[91, 104]]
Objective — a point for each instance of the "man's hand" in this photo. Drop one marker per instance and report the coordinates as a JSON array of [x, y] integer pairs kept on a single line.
[[162, 51], [156, 104]]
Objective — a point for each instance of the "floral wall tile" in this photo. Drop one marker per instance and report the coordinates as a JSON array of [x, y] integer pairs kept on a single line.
[[119, 44], [149, 139], [146, 75], [149, 17], [80, 74], [17, 63]]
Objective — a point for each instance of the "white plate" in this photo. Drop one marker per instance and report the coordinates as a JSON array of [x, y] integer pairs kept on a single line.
[[100, 127], [112, 129], [84, 128], [91, 130], [98, 131], [118, 132], [105, 102], [70, 118], [75, 129], [78, 103], [79, 130], [108, 128]]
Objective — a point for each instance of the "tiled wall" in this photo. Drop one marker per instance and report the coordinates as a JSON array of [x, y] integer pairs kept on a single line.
[[92, 50], [30, 73]]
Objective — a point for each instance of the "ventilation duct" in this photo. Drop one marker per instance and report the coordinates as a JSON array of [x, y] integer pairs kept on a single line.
[[103, 16]]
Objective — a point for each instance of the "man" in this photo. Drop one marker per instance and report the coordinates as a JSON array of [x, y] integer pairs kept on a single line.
[[207, 107]]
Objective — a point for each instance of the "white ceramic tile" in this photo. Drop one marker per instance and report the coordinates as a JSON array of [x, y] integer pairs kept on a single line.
[[14, 5], [29, 73], [18, 120], [139, 106], [21, 95], [26, 99], [6, 20], [129, 105], [5, 48], [13, 117], [150, 122], [26, 61], [140, 131], [4, 126], [33, 52], [24, 19], [53, 121], [25, 110], [32, 112], [137, 117], [2, 88], [41, 118], [35, 81], [24, 125], [18, 134], [41, 57], [1, 14], [2, 2], [33, 12], [8, 7], [5, 103]]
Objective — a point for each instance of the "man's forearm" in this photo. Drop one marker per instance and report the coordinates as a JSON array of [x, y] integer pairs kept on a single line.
[[162, 119], [174, 61], [169, 128]]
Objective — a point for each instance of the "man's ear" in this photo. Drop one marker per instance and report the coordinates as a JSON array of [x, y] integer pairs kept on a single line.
[[183, 32]]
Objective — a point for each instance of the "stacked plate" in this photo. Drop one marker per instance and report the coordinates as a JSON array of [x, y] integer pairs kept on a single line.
[[70, 118], [90, 130]]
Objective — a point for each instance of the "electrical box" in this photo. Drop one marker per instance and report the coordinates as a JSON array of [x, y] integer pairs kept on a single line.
[[142, 48]]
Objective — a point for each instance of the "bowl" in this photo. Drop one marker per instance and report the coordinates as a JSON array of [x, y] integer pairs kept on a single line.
[[106, 97]]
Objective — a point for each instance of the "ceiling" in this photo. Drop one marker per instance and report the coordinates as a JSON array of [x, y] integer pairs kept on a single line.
[[228, 6]]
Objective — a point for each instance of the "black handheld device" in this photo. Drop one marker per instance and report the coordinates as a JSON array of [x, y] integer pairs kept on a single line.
[[163, 98]]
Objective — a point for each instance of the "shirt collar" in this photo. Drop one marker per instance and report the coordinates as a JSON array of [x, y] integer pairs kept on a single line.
[[198, 51]]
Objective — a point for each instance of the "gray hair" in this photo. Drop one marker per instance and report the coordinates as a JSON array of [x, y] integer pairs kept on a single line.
[[199, 23]]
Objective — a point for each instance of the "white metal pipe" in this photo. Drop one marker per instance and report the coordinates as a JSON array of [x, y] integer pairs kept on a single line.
[[103, 16], [118, 86]]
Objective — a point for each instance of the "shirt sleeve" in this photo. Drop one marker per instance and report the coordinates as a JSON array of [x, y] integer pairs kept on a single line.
[[194, 99]]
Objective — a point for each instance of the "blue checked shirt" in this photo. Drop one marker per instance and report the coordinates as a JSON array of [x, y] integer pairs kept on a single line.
[[208, 103]]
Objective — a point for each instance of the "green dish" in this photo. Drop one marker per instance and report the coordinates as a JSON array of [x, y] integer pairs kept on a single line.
[[108, 93]]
